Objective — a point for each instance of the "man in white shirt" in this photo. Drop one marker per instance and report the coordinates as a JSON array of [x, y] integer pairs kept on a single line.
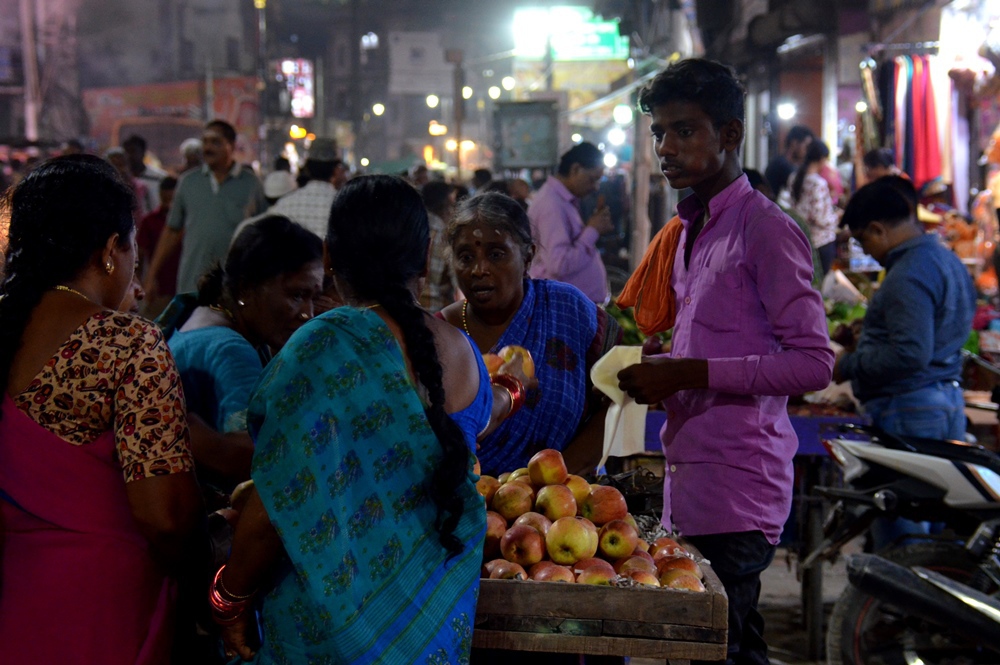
[[310, 204]]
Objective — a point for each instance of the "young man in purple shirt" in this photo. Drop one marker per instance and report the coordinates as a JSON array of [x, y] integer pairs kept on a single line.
[[750, 330]]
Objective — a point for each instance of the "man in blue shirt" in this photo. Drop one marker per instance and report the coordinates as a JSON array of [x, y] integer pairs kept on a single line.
[[908, 363]]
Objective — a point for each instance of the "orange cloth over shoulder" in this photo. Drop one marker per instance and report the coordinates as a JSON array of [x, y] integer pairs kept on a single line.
[[648, 289]]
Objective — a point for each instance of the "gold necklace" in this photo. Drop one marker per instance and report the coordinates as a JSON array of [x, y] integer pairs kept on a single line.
[[465, 320], [221, 310], [69, 289]]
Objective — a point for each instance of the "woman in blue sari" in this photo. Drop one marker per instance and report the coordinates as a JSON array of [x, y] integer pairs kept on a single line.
[[565, 332], [365, 532]]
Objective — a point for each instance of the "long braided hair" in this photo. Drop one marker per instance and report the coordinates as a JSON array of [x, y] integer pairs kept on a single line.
[[60, 215], [377, 242], [816, 152]]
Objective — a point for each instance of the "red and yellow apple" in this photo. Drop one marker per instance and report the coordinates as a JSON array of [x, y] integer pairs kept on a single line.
[[487, 487], [520, 473], [579, 486], [508, 352], [594, 571], [555, 501], [666, 545], [507, 570], [547, 467], [643, 577], [603, 504], [512, 500], [537, 521], [634, 562], [546, 571], [569, 540], [679, 562], [493, 363], [496, 526], [617, 539], [522, 544], [504, 477], [681, 579]]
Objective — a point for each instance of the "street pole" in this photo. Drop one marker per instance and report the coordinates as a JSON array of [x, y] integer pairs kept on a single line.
[[261, 6], [32, 87], [454, 56]]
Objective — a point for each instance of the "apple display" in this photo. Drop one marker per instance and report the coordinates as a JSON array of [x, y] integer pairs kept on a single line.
[[522, 544], [512, 500], [603, 504], [579, 486], [519, 473], [667, 545], [504, 477], [555, 501], [539, 522], [547, 467], [487, 487], [569, 540], [508, 352], [617, 539]]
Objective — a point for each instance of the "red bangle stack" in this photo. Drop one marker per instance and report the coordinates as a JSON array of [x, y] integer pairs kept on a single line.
[[226, 612], [513, 387]]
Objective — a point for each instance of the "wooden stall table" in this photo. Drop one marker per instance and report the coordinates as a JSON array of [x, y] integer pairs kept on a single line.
[[636, 621]]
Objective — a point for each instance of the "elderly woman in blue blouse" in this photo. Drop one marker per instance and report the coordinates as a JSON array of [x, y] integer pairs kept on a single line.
[[222, 337]]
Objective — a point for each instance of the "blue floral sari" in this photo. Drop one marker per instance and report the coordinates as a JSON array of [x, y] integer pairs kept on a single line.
[[343, 458]]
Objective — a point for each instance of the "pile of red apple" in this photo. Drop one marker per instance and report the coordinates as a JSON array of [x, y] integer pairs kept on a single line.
[[547, 525]]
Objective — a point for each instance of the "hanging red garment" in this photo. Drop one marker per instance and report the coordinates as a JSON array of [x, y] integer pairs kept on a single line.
[[932, 137], [902, 85], [919, 85]]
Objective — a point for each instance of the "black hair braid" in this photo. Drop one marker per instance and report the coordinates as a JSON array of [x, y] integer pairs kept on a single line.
[[398, 302]]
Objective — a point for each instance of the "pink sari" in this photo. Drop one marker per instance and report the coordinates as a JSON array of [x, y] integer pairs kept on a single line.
[[79, 585]]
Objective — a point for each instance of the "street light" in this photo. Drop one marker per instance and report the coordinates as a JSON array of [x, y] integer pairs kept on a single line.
[[861, 107], [451, 145], [466, 92], [576, 138], [622, 114], [433, 101], [786, 110], [435, 128], [507, 82], [616, 136], [378, 109], [494, 92], [364, 161]]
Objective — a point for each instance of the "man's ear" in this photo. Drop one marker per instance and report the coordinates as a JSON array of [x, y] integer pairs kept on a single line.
[[529, 257], [731, 135]]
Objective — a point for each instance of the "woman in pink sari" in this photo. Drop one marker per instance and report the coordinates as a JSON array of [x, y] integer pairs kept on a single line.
[[97, 495]]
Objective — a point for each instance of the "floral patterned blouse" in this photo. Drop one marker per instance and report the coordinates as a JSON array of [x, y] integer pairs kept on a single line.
[[115, 371]]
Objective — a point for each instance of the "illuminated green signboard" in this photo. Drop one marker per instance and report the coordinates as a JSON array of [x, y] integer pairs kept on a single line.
[[573, 32]]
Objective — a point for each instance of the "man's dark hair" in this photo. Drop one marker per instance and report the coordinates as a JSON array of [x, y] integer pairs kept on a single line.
[[876, 157], [709, 84], [435, 195], [281, 163], [481, 177], [228, 131], [135, 141], [320, 170], [168, 183], [798, 134], [890, 200], [586, 154]]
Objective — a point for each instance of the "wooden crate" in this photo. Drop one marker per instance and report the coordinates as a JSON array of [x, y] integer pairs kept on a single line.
[[600, 620]]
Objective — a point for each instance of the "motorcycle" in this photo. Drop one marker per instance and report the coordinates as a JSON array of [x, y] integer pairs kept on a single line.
[[890, 476]]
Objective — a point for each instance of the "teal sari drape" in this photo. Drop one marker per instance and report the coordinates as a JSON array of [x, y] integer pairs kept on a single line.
[[343, 458]]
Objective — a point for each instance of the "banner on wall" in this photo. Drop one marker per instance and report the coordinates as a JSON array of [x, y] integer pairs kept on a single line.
[[167, 113]]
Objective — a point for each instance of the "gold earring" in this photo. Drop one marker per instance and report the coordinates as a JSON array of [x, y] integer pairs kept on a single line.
[[109, 267]]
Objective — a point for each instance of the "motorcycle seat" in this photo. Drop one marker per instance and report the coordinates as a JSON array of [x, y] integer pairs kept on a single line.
[[957, 451]]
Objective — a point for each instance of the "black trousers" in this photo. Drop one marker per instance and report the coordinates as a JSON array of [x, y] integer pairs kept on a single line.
[[739, 559]]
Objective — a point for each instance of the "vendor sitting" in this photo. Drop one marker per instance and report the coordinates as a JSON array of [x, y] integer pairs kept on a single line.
[[565, 332]]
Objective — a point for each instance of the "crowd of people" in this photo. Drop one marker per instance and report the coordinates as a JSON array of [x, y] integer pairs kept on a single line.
[[253, 474]]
